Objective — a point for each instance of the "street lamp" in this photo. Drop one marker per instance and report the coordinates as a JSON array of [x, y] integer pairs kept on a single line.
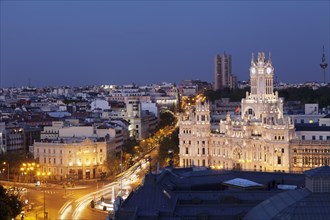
[[4, 163], [121, 170], [29, 169], [45, 214], [171, 154]]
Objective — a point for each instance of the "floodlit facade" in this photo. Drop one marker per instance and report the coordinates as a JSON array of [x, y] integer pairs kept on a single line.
[[71, 158], [257, 139]]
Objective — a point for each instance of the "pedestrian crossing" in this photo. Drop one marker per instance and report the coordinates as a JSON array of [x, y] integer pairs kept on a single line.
[[50, 192]]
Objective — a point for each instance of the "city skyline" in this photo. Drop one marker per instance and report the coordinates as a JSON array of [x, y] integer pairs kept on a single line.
[[85, 43]]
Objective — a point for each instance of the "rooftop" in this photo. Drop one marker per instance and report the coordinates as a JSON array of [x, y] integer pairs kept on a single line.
[[186, 192], [323, 171]]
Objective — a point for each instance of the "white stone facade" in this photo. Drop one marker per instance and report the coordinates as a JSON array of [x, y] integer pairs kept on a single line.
[[258, 139]]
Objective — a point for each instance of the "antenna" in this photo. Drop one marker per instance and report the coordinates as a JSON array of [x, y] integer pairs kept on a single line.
[[323, 65]]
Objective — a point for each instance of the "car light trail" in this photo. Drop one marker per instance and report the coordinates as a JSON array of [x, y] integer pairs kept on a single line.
[[64, 211], [123, 182]]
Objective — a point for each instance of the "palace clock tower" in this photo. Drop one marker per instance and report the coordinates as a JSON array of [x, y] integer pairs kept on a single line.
[[262, 102]]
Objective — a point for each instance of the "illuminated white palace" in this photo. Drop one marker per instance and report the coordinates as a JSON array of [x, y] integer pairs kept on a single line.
[[258, 139]]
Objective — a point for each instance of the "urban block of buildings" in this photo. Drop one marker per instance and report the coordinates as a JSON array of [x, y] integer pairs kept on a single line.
[[71, 132]]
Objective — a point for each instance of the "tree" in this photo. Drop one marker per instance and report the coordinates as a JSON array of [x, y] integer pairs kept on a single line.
[[303, 94], [167, 118], [10, 205], [169, 143], [113, 165]]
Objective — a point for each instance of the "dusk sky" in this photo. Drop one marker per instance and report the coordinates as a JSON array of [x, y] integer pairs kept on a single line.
[[54, 43]]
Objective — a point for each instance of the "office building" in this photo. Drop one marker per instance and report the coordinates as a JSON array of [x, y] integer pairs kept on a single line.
[[223, 77]]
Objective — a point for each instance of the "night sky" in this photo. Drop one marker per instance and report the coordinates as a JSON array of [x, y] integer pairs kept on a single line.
[[54, 43]]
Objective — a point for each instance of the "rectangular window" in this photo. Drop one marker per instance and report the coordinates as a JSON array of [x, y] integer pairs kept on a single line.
[[279, 160], [37, 150], [49, 160], [186, 150], [313, 137], [54, 160], [321, 138], [303, 137], [44, 159], [328, 138]]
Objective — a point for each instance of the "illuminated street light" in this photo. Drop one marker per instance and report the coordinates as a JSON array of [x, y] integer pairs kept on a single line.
[[29, 169], [4, 163]]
